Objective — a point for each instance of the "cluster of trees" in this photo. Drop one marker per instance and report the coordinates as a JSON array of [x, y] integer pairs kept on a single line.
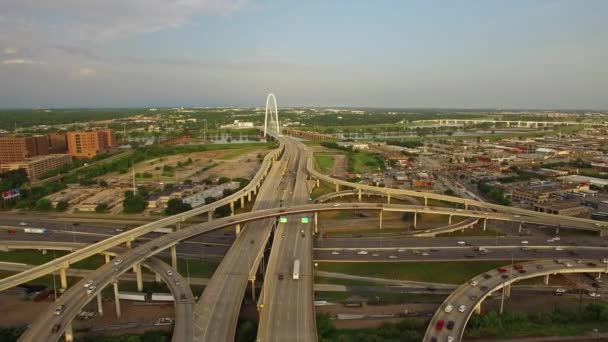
[[512, 324], [176, 206], [31, 117], [495, 194], [133, 203]]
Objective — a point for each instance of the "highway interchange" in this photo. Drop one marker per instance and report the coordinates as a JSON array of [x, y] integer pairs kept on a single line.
[[249, 248]]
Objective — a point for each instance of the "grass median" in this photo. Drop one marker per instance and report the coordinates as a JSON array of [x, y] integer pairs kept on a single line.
[[450, 272]]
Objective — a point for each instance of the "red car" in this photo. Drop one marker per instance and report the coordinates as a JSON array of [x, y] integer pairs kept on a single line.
[[518, 267], [12, 231], [440, 324], [502, 270]]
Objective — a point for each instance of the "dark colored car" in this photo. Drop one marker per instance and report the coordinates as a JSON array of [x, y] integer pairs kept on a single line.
[[55, 328], [450, 325], [504, 276], [487, 276], [281, 276]]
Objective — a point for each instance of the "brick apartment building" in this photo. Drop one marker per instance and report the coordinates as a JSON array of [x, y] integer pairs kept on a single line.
[[88, 144], [38, 166]]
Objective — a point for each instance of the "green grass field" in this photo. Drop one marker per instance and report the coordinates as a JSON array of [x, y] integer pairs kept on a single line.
[[364, 162], [453, 272], [324, 162]]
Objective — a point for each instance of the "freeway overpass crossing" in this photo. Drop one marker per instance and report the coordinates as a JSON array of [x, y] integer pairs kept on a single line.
[[77, 297]]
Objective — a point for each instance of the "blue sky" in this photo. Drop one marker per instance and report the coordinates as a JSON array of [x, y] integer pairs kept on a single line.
[[465, 54]]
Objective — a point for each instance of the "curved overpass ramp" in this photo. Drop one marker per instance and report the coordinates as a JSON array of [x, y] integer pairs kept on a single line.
[[496, 281], [183, 330], [556, 220]]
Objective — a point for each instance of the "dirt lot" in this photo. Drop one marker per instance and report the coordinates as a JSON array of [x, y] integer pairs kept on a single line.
[[237, 165]]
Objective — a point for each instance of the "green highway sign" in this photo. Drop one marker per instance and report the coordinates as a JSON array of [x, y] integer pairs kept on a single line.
[[283, 220], [304, 220]]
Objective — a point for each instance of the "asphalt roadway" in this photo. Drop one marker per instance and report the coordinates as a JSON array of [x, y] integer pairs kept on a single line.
[[287, 311]]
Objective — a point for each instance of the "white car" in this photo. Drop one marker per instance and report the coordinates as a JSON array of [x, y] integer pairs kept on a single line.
[[462, 308], [336, 205], [450, 339], [90, 289], [425, 254], [392, 257], [604, 261], [595, 295], [335, 253], [401, 250], [559, 249], [449, 308], [88, 283], [474, 283], [117, 262], [375, 255], [568, 265], [169, 273], [23, 223], [556, 238], [461, 243], [362, 253], [550, 240], [524, 242]]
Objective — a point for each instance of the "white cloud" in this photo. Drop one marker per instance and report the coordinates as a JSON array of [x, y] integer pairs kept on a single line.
[[10, 50], [84, 73], [19, 61], [104, 20]]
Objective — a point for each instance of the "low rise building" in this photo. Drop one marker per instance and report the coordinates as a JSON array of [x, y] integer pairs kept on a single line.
[[544, 192], [568, 208], [38, 166]]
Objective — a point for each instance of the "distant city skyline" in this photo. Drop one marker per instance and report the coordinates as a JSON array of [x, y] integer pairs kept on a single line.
[[385, 54]]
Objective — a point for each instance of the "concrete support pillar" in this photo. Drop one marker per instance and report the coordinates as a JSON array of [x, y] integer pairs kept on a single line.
[[43, 251], [318, 183], [557, 231], [210, 215], [248, 196], [107, 257], [128, 244], [449, 220], [380, 223], [243, 202], [508, 291], [546, 280], [138, 277], [69, 335], [116, 299], [231, 208], [599, 275], [99, 304], [478, 309], [178, 226], [520, 227], [359, 193], [337, 187], [157, 278], [174, 256], [426, 201], [388, 199], [415, 218], [316, 222], [466, 205], [238, 229], [64, 278], [253, 289], [485, 224]]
